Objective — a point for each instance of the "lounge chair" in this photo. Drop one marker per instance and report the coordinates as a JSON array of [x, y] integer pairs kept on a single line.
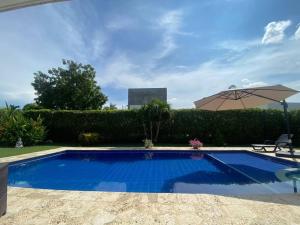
[[281, 142]]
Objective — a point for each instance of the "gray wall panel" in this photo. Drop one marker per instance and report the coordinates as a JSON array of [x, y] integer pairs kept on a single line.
[[141, 96]]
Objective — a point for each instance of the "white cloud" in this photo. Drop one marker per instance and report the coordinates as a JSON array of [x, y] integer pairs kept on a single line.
[[255, 67], [80, 42], [297, 33], [41, 47], [274, 31], [182, 67], [120, 23], [170, 22], [172, 100], [168, 45], [98, 44], [246, 83], [239, 45], [245, 63], [14, 93]]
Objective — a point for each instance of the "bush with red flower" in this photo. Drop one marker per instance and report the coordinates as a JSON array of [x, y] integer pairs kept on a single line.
[[196, 144]]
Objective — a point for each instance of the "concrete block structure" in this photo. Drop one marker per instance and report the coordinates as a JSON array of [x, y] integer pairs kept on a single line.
[[137, 97]]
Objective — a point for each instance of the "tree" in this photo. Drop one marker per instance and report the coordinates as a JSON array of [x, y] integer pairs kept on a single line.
[[32, 106], [110, 107], [153, 115], [73, 87]]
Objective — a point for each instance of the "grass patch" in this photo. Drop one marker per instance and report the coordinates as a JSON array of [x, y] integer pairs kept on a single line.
[[5, 151]]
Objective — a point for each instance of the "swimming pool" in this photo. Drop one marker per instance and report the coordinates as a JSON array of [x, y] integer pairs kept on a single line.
[[212, 172]]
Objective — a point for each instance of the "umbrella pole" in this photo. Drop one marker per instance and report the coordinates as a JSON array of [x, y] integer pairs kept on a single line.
[[286, 117]]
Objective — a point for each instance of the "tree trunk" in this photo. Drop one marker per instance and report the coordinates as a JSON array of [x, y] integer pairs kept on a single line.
[[157, 131], [145, 131], [158, 127], [151, 133]]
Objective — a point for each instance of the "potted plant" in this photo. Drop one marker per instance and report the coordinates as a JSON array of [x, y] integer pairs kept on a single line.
[[196, 144], [148, 143]]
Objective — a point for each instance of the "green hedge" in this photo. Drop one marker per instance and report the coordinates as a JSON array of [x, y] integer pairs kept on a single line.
[[113, 126], [122, 126]]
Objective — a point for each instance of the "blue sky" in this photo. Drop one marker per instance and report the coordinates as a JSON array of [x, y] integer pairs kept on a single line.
[[194, 48]]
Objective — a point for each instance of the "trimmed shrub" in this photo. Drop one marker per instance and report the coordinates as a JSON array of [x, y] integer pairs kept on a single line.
[[295, 125], [119, 126], [87, 139], [218, 139], [236, 127]]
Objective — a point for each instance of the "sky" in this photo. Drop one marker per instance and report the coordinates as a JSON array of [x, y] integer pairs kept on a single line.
[[193, 48]]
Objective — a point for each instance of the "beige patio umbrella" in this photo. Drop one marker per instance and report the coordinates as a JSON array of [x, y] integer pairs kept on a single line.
[[245, 98], [6, 5]]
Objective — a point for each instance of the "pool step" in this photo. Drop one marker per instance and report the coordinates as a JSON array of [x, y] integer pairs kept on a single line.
[[239, 172]]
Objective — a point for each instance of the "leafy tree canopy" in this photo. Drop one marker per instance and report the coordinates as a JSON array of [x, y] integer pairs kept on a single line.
[[71, 87], [153, 115], [32, 106], [110, 107]]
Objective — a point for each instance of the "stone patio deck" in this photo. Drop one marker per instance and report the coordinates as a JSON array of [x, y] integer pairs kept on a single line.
[[36, 206]]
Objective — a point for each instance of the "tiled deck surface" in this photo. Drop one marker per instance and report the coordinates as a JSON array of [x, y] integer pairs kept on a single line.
[[34, 206]]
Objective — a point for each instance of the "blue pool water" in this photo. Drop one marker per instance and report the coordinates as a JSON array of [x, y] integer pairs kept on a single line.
[[227, 173]]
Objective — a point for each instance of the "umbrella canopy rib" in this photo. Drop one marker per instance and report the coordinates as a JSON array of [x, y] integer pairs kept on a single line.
[[225, 99], [260, 96], [221, 104], [243, 103], [217, 96], [266, 89]]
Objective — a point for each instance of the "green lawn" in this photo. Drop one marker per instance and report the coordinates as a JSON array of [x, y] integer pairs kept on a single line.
[[5, 152]]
